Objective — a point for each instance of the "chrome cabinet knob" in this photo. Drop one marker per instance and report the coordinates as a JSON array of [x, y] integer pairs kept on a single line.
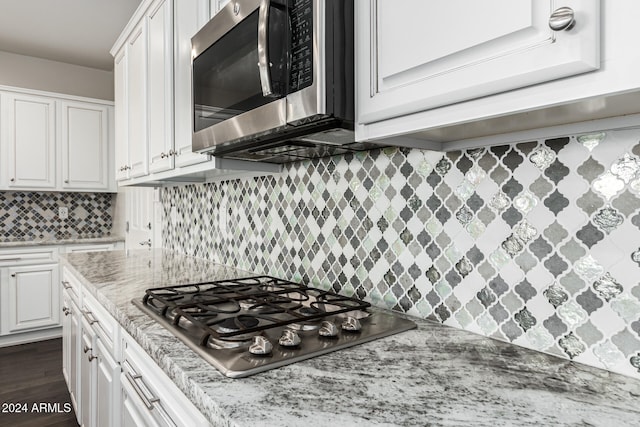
[[351, 324], [289, 338], [12, 180], [562, 18], [92, 357], [260, 346], [328, 329], [164, 155]]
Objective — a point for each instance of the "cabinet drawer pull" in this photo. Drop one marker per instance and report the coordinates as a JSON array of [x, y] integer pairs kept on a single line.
[[66, 311], [66, 284], [562, 19], [92, 357], [148, 402], [86, 349], [13, 274], [89, 316]]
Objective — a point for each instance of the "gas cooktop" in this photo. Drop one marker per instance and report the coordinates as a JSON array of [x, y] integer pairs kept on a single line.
[[249, 325]]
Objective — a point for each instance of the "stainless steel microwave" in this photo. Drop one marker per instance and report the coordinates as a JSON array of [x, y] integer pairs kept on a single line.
[[273, 81]]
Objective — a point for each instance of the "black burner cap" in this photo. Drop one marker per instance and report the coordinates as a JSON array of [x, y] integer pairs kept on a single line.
[[238, 322]]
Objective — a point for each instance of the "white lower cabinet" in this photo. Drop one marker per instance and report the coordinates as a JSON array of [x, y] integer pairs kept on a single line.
[[29, 295], [149, 397], [112, 381], [34, 297]]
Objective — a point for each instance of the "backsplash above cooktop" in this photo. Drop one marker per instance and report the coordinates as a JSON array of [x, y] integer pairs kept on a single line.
[[34, 215], [534, 243]]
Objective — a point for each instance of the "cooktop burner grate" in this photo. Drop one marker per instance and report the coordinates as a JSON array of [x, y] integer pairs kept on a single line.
[[228, 308]]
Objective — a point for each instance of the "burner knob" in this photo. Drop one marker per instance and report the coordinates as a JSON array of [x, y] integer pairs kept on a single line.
[[328, 329], [351, 324], [289, 338], [260, 346]]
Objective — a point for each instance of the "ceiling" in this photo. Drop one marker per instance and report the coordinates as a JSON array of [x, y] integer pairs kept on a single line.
[[79, 32]]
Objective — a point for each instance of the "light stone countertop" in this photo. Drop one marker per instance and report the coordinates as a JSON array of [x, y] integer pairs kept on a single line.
[[433, 375], [55, 242]]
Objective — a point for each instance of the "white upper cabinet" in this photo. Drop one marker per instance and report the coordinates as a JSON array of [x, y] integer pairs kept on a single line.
[[85, 146], [460, 49], [154, 102], [160, 82], [29, 137], [190, 16], [53, 142], [462, 70], [137, 106], [121, 115]]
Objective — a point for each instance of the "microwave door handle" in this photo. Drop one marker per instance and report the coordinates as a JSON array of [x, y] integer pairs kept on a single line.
[[263, 48]]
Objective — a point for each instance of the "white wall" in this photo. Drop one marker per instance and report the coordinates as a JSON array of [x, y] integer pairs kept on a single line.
[[43, 74]]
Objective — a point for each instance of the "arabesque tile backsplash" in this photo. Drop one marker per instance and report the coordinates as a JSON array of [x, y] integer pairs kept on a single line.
[[534, 243], [26, 215]]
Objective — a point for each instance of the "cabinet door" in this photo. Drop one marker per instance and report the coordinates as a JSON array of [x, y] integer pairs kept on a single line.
[[85, 146], [416, 55], [160, 75], [66, 338], [29, 133], [88, 374], [74, 356], [121, 115], [137, 105], [34, 297], [140, 218], [107, 388], [189, 17]]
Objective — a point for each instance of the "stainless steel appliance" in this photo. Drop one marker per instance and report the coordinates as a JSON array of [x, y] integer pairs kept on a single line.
[[273, 81], [245, 326]]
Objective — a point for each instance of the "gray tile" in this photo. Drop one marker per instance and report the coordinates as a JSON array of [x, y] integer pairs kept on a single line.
[[590, 202], [556, 202], [526, 261], [572, 282], [511, 330], [627, 203], [555, 326], [511, 216], [589, 334], [590, 169], [487, 161], [540, 248], [590, 235], [626, 342], [555, 233], [498, 286], [557, 144], [486, 270], [572, 251], [499, 174], [512, 159], [499, 313], [556, 265], [512, 188]]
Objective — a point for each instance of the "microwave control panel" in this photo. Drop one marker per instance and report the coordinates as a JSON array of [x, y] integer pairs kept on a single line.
[[301, 71]]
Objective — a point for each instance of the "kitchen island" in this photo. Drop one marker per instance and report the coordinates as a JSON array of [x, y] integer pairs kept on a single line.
[[432, 375]]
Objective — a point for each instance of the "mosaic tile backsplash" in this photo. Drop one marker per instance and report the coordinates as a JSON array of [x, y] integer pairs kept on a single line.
[[34, 215], [534, 243]]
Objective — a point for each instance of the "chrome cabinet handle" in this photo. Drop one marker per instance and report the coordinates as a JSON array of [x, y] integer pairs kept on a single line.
[[173, 152], [89, 316], [148, 402], [66, 284], [164, 155], [562, 18], [86, 349], [92, 357], [263, 48], [66, 311], [146, 243], [13, 274]]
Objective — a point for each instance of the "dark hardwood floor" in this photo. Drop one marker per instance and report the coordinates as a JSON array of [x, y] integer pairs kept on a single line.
[[32, 374]]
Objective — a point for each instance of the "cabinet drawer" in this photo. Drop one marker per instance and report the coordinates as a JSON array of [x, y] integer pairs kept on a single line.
[[71, 285], [101, 321], [89, 248], [28, 256], [157, 398]]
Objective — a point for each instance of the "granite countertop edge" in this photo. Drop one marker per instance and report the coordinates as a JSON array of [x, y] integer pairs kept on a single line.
[[55, 242]]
